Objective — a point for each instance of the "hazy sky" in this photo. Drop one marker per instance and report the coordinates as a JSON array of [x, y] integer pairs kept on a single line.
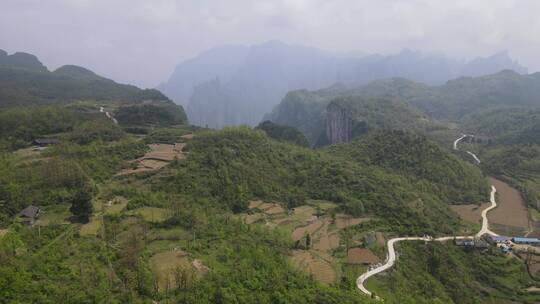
[[140, 41]]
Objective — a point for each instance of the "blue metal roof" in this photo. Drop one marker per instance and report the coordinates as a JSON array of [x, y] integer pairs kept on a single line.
[[499, 238], [526, 240]]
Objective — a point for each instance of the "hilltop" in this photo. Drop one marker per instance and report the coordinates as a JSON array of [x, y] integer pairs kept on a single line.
[[24, 80]]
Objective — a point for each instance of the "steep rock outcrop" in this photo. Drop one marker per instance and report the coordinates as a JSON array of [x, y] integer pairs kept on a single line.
[[338, 124]]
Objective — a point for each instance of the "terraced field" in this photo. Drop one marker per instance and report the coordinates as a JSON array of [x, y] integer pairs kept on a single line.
[[308, 222]]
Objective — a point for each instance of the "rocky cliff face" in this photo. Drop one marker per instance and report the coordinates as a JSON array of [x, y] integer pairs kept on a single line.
[[338, 124]]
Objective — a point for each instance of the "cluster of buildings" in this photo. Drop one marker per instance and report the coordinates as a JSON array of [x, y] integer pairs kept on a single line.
[[504, 242]]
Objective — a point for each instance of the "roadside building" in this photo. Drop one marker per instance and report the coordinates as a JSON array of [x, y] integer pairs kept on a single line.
[[480, 244], [464, 243], [29, 215], [362, 256], [526, 241], [492, 239]]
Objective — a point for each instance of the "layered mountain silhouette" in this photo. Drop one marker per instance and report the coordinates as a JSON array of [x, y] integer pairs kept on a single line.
[[24, 80], [233, 85]]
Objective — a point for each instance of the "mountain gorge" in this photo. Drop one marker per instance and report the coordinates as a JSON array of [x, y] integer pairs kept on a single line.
[[234, 85]]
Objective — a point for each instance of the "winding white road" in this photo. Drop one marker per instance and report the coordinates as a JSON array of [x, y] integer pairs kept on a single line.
[[102, 110], [456, 142], [391, 258]]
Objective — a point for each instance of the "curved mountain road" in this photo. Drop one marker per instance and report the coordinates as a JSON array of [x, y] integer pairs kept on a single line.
[[102, 110], [391, 258]]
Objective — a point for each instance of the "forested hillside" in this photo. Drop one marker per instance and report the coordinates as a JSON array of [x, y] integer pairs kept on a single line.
[[235, 165], [438, 273], [283, 133], [455, 101], [25, 81], [420, 160], [506, 125]]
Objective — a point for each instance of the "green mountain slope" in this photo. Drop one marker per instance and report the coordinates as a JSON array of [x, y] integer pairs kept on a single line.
[[444, 273], [506, 125], [25, 81], [419, 160], [283, 133], [304, 110], [454, 101], [234, 165]]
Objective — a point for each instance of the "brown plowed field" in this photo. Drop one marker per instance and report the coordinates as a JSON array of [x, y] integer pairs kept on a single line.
[[344, 221], [319, 269], [471, 213], [361, 256], [298, 233], [511, 210], [158, 157]]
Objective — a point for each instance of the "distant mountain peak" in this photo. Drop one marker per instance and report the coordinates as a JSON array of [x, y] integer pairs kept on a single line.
[[75, 71], [21, 60], [492, 64]]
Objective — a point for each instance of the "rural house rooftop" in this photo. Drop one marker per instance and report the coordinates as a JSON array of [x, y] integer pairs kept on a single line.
[[30, 211], [45, 141]]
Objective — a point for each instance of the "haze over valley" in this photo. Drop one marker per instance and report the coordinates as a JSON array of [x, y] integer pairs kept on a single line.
[[269, 152]]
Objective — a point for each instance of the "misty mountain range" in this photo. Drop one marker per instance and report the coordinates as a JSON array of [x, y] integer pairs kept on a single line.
[[233, 85]]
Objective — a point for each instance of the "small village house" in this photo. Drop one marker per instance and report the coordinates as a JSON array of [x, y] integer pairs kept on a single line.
[[29, 215], [44, 142]]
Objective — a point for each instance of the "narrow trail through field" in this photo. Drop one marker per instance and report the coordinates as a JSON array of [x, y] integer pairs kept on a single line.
[[391, 257], [102, 110]]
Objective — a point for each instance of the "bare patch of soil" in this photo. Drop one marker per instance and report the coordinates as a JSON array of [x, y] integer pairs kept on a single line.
[[471, 213], [361, 256], [381, 240], [343, 221], [298, 233], [327, 242], [319, 269], [158, 157], [511, 210], [254, 204]]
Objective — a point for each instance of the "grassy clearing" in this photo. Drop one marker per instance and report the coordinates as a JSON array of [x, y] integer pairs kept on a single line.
[[3, 232], [151, 214], [322, 204], [54, 214], [116, 206], [92, 227], [535, 214], [172, 266]]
